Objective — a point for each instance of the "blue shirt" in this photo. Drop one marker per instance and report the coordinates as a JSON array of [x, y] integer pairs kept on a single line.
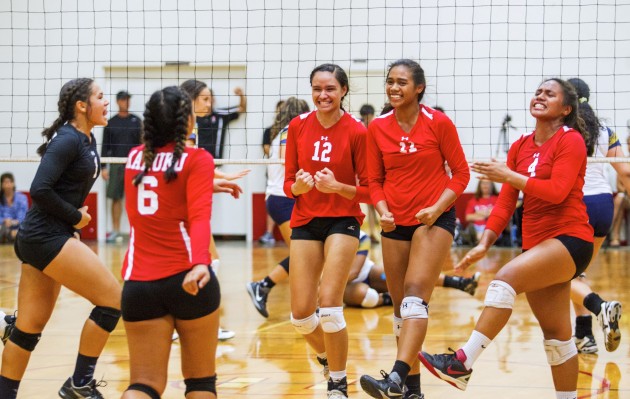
[[17, 211]]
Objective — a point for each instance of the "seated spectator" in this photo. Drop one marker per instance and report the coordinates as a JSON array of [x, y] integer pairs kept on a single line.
[[13, 207], [479, 208]]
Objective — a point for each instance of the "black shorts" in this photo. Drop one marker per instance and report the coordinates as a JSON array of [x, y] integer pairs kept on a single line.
[[405, 233], [148, 300], [116, 181], [319, 229], [39, 253], [600, 213], [581, 251], [279, 208]]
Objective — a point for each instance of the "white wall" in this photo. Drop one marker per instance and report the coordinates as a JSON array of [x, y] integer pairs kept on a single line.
[[482, 58]]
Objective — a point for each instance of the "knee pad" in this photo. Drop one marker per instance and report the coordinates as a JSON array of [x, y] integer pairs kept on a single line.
[[24, 340], [398, 322], [307, 325], [559, 352], [332, 319], [153, 394], [205, 384], [104, 317], [284, 263], [500, 295], [371, 298], [413, 307]]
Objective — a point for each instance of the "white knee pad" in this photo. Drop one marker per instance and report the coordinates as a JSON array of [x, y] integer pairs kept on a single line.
[[413, 307], [371, 298], [500, 295], [307, 325], [398, 322], [559, 352], [332, 319]]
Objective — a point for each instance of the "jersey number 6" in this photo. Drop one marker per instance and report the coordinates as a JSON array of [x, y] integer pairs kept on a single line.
[[147, 199]]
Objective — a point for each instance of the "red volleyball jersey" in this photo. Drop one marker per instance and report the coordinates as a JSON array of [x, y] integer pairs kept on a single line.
[[170, 222], [407, 169], [552, 201], [340, 148]]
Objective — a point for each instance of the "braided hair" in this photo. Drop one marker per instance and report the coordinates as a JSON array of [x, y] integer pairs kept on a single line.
[[291, 108], [591, 121], [166, 117], [574, 119], [71, 92]]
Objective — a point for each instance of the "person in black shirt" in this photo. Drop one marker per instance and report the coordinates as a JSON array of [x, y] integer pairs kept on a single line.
[[212, 123], [49, 247], [119, 137]]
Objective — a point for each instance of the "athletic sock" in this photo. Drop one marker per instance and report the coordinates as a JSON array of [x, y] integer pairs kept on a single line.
[[402, 369], [474, 347], [413, 383], [8, 388], [337, 376], [267, 282], [452, 281], [593, 302], [84, 370], [583, 326], [566, 394]]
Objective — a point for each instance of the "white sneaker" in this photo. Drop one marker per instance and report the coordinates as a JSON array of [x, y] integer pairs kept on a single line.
[[224, 335], [608, 319]]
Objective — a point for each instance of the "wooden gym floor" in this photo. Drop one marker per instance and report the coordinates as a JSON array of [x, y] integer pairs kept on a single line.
[[268, 359]]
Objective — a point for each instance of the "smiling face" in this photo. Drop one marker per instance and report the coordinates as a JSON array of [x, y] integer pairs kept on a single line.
[[96, 107], [327, 92], [400, 87], [548, 102]]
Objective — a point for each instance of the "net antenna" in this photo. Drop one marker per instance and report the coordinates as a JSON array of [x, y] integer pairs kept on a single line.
[[503, 142]]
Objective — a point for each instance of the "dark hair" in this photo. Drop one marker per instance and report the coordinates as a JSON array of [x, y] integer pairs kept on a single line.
[[291, 108], [387, 107], [573, 120], [591, 121], [166, 117], [71, 92], [194, 87], [417, 73], [338, 72], [478, 191], [6, 175], [366, 109], [438, 108]]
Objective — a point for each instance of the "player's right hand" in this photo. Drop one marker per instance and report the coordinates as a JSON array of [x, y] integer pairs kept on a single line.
[[303, 183], [85, 218], [387, 222], [196, 279]]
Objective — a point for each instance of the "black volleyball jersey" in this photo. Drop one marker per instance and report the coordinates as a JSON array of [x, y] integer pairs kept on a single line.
[[63, 181]]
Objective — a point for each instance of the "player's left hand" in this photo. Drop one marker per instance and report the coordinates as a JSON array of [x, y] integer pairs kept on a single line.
[[196, 279], [325, 181], [226, 186], [237, 175], [238, 91], [429, 215], [495, 171]]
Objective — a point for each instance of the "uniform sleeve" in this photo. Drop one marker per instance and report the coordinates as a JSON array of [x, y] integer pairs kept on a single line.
[[199, 189], [506, 203], [376, 169], [360, 168], [62, 150], [613, 140], [229, 114], [453, 153], [266, 137], [290, 162], [567, 163]]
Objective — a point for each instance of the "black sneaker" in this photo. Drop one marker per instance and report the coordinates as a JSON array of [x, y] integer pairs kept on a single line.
[[89, 391], [413, 396], [388, 387], [259, 294], [338, 390], [7, 324], [387, 299], [447, 367], [469, 284]]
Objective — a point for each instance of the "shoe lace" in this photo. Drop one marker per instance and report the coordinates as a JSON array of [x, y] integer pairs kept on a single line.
[[384, 374]]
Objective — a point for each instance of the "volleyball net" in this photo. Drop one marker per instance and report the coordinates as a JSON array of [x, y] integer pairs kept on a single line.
[[483, 60]]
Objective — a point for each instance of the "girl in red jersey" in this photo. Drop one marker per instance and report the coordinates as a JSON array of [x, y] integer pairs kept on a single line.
[[414, 196], [548, 165], [168, 282], [325, 152]]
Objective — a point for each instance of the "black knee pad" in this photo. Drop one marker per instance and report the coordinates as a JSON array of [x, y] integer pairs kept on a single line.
[[285, 264], [104, 317], [26, 341], [144, 389], [205, 384]]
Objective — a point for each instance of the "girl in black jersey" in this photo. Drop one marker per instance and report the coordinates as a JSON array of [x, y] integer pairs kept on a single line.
[[48, 244]]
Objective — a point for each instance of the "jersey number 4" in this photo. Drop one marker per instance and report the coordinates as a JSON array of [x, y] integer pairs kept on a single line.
[[147, 199], [531, 169], [326, 148]]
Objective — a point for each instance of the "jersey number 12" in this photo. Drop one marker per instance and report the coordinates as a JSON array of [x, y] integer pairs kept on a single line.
[[326, 148]]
